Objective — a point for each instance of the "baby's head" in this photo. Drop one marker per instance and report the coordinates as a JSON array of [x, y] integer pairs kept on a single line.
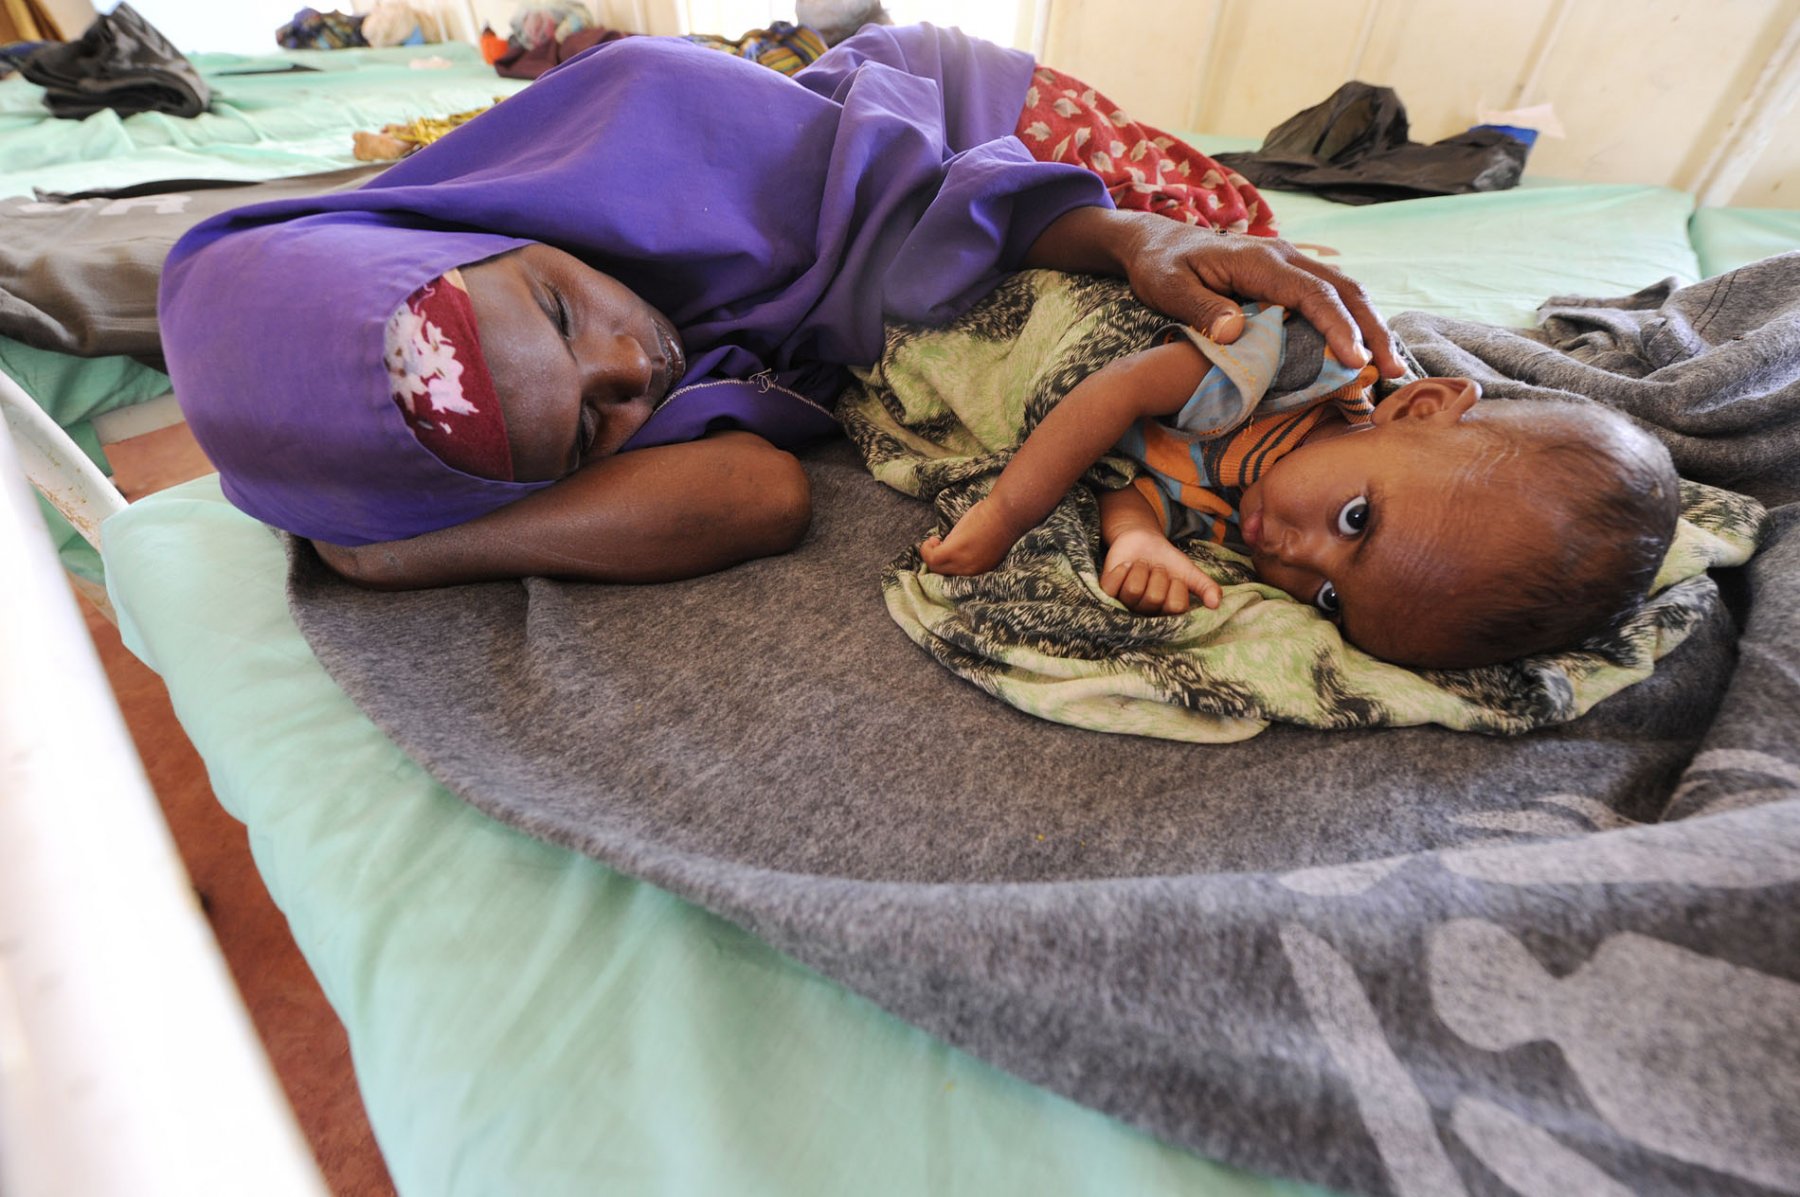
[[526, 365], [1452, 533]]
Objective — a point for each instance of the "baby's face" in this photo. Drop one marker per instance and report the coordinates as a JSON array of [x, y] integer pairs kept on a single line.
[[1386, 527], [579, 361]]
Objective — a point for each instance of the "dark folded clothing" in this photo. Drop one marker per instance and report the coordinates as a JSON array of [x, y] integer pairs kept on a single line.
[[79, 270], [121, 63], [1353, 148], [314, 30], [521, 63]]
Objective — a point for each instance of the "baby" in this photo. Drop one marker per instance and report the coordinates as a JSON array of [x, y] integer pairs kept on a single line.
[[1438, 531]]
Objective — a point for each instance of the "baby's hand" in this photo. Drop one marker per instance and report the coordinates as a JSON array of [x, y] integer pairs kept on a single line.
[[1152, 577], [977, 544]]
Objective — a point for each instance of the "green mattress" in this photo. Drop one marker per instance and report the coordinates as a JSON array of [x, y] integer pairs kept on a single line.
[[267, 120], [1726, 238], [1493, 258]]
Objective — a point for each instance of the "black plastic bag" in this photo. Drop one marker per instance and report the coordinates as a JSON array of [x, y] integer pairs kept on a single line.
[[1353, 148], [121, 63]]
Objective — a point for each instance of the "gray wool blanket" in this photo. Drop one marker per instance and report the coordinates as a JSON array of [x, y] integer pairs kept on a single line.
[[1391, 961]]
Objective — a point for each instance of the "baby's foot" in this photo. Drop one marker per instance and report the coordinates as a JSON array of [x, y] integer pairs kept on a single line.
[[977, 544]]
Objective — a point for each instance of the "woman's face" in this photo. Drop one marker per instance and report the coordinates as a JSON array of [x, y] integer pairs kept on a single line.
[[578, 360]]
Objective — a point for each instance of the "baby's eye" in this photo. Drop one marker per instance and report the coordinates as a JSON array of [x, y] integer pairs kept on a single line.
[[1327, 600], [1353, 517]]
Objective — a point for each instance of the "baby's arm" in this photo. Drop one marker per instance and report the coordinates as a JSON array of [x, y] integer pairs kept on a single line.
[[1073, 436], [651, 515]]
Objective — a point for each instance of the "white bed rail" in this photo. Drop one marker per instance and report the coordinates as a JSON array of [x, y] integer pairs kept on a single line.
[[127, 1063], [55, 464]]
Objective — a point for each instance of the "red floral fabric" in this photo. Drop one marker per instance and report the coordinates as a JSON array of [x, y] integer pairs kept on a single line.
[[1145, 169]]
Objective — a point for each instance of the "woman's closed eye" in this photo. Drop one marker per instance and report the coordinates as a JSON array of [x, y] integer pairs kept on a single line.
[[564, 325], [550, 301]]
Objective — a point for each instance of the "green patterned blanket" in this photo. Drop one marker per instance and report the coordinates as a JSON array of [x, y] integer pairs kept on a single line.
[[938, 418]]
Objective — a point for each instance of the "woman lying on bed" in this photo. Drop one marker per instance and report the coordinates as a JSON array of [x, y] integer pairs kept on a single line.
[[660, 249]]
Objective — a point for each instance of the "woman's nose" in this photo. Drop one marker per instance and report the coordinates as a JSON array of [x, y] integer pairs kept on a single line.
[[617, 370]]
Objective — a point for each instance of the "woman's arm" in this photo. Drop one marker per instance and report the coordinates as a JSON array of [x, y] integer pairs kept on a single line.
[[651, 515], [1195, 276], [1073, 436], [1144, 570]]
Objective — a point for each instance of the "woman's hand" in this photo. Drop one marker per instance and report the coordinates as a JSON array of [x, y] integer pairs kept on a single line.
[[1197, 276]]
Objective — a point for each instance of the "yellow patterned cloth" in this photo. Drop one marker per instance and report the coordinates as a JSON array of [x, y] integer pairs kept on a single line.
[[397, 141], [783, 46]]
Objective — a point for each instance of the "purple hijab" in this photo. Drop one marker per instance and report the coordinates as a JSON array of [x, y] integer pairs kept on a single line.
[[777, 221]]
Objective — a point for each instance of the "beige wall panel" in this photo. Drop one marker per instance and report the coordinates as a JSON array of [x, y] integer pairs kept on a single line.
[[1774, 182], [72, 17], [1277, 58], [1147, 56], [1449, 58], [643, 16], [1645, 89]]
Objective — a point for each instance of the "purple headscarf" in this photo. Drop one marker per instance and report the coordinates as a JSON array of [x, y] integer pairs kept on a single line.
[[776, 221]]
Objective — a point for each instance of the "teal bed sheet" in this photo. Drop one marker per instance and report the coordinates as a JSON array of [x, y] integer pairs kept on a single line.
[[262, 125], [1494, 257], [525, 1020], [1726, 238]]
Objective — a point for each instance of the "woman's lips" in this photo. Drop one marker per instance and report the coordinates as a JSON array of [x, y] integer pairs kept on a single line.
[[674, 361]]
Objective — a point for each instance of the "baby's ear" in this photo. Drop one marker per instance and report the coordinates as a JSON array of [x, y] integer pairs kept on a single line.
[[1444, 399]]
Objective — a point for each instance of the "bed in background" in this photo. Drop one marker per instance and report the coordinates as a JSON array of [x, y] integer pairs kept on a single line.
[[273, 116], [525, 1019]]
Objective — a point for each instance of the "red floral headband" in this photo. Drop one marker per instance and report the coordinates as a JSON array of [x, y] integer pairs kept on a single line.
[[440, 379]]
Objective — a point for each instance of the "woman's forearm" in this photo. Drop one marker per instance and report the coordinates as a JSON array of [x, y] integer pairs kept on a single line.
[[652, 515], [1090, 240]]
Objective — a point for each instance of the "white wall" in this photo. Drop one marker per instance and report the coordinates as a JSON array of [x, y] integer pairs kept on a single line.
[[238, 27], [1703, 95], [1648, 90]]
